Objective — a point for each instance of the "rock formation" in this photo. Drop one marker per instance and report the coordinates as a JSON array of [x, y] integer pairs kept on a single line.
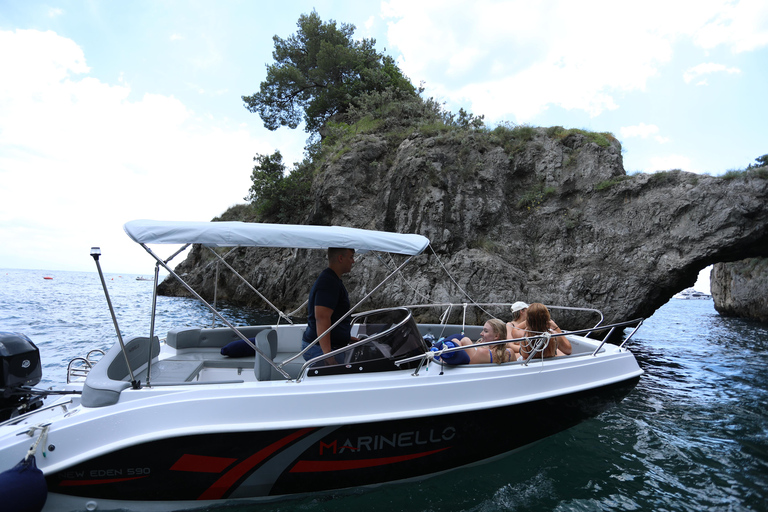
[[545, 215], [741, 288]]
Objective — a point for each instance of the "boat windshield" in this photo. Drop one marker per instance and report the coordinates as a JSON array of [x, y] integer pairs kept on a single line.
[[386, 336]]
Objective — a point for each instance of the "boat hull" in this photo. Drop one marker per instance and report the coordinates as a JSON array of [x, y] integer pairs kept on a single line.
[[286, 462]]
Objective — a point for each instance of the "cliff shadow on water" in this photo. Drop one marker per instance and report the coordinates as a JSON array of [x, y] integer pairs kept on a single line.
[[514, 213]]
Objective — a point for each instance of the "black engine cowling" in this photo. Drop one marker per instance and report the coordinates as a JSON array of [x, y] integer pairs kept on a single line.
[[20, 369]]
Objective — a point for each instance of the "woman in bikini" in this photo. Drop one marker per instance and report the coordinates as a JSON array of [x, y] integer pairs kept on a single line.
[[494, 329], [519, 314], [539, 322]]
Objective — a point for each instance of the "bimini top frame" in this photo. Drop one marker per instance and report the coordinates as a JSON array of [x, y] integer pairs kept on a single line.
[[244, 234]]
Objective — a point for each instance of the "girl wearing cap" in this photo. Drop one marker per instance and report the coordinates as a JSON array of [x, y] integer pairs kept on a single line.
[[519, 314]]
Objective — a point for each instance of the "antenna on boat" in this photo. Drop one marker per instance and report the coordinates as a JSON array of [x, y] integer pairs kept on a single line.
[[95, 253]]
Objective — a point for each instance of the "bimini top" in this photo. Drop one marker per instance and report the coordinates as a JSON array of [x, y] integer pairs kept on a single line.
[[250, 234]]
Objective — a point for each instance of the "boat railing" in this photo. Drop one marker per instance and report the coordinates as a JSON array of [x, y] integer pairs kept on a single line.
[[79, 367], [636, 323], [450, 307]]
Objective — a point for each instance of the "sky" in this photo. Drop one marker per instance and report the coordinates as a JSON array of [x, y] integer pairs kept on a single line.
[[113, 111]]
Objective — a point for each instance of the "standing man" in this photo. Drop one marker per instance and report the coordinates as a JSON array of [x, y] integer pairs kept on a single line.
[[329, 301]]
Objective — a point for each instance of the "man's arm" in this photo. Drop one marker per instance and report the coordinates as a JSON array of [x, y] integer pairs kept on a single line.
[[323, 323]]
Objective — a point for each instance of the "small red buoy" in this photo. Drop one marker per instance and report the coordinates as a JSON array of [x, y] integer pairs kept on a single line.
[[47, 277]]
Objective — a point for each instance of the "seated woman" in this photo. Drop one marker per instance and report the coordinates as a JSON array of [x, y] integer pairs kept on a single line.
[[539, 322], [494, 329], [519, 314]]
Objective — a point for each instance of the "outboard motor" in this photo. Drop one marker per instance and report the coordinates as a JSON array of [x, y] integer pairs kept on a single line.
[[20, 369]]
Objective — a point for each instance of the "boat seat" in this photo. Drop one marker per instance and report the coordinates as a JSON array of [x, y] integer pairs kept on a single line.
[[266, 342], [288, 345], [190, 337], [109, 377]]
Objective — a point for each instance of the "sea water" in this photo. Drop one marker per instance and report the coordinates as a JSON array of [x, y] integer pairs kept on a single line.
[[692, 436]]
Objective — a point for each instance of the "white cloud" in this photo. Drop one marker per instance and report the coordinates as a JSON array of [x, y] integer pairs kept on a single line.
[[643, 131], [520, 61], [742, 25], [707, 68], [54, 12], [519, 58], [80, 157], [39, 59]]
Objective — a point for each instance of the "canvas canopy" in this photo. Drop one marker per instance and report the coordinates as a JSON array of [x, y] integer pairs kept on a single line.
[[247, 234]]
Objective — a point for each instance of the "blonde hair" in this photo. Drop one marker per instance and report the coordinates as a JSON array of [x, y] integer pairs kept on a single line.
[[500, 330]]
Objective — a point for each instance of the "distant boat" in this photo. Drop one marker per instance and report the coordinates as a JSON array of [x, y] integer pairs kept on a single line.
[[690, 293], [144, 279]]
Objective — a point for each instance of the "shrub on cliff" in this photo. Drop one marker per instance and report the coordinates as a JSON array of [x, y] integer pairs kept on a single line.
[[761, 161], [757, 170], [276, 195], [395, 115]]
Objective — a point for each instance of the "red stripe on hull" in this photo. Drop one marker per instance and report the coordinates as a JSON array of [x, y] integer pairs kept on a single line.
[[230, 478], [315, 466]]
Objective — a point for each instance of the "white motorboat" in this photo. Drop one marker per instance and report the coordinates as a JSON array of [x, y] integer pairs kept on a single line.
[[174, 424], [690, 293]]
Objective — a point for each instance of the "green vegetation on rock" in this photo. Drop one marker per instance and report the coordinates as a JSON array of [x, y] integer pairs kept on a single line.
[[605, 185], [534, 196], [277, 195], [602, 139], [757, 170]]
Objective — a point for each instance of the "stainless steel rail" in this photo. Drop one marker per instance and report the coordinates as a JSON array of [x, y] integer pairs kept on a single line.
[[582, 332], [449, 306], [81, 371], [95, 254]]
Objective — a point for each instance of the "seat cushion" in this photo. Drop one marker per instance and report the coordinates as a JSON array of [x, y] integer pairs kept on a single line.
[[238, 348]]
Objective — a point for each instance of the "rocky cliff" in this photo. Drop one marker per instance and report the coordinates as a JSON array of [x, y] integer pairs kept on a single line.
[[741, 288], [544, 215]]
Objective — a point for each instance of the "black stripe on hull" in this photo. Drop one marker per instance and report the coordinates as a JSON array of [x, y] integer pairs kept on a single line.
[[285, 462]]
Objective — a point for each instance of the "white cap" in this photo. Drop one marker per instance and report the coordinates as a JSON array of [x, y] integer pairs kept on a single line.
[[517, 306]]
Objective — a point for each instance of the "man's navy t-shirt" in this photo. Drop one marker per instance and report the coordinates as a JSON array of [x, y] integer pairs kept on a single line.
[[329, 291]]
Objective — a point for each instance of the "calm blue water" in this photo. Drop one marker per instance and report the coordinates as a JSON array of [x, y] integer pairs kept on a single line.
[[693, 436]]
